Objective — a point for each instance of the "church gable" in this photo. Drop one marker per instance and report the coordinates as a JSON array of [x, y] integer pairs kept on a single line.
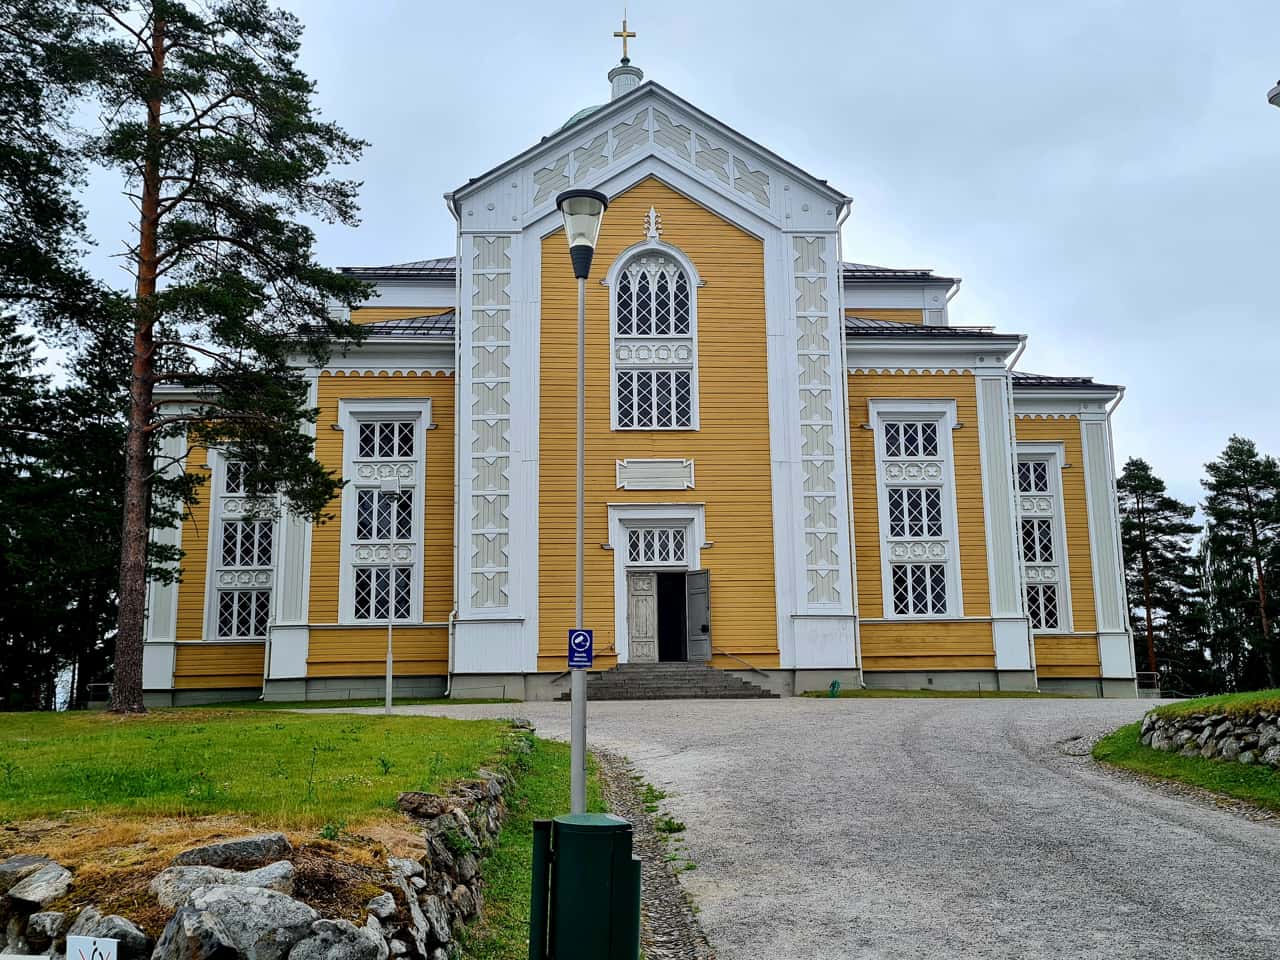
[[648, 122]]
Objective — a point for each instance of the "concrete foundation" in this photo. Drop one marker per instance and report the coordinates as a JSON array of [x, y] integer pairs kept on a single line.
[[352, 688], [197, 698], [935, 680], [1110, 689]]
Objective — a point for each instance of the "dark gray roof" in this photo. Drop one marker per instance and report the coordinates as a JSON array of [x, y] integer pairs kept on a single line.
[[1040, 381], [865, 327], [869, 273], [439, 325], [439, 268], [444, 268]]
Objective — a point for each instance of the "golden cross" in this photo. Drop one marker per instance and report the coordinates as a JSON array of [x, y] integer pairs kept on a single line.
[[624, 33]]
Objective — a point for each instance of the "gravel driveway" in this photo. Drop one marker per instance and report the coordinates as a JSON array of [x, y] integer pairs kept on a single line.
[[935, 828]]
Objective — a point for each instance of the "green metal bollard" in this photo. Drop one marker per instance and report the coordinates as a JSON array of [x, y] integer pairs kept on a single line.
[[593, 911]]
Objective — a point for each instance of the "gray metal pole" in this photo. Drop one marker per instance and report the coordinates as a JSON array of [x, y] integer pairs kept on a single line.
[[578, 678]]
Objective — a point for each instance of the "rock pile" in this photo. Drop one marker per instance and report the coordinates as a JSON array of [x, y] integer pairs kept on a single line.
[[1240, 738], [234, 899]]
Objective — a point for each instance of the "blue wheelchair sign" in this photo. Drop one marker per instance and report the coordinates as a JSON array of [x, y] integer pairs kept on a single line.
[[581, 643]]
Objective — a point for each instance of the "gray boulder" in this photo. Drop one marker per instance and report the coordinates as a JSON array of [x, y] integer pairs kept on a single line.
[[383, 906], [464, 901], [1247, 757], [339, 940], [240, 853], [195, 935], [45, 885], [437, 918], [1230, 749], [1272, 756], [405, 866], [18, 868], [173, 886], [263, 924], [44, 928], [134, 944]]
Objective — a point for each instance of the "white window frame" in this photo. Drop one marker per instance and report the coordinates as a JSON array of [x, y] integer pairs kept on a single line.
[[223, 507], [633, 342], [943, 413], [1054, 454], [350, 414]]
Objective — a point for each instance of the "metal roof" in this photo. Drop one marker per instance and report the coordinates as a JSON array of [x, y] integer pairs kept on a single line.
[[438, 325], [1040, 381], [445, 268], [865, 327]]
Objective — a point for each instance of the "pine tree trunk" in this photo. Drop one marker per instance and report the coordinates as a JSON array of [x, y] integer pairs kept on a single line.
[[1146, 589], [126, 691]]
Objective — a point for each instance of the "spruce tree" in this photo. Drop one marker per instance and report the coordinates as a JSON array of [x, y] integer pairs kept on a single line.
[[1156, 531], [211, 125], [1243, 537]]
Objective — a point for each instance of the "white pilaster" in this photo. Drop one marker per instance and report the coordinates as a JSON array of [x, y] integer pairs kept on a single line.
[[1115, 646], [162, 597], [1011, 633]]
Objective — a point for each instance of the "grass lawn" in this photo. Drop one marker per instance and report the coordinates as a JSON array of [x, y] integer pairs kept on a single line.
[[941, 694], [541, 794], [1256, 784], [284, 770], [1228, 703]]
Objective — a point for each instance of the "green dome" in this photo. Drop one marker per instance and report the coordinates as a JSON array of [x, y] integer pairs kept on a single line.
[[580, 115]]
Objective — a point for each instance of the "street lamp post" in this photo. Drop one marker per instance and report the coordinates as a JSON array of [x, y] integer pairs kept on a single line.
[[582, 211]]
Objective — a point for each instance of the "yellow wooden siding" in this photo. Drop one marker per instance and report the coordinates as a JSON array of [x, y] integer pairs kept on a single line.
[[218, 666], [731, 450], [326, 538], [1075, 511], [378, 314], [898, 315], [195, 553], [1067, 656], [970, 520], [938, 645], [362, 652]]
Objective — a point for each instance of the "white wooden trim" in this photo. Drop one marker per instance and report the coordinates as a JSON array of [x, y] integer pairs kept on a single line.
[[1055, 454]]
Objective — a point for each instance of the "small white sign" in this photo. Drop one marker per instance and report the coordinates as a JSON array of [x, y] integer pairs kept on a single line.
[[91, 948]]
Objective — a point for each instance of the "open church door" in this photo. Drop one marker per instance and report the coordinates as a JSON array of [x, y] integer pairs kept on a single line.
[[697, 603]]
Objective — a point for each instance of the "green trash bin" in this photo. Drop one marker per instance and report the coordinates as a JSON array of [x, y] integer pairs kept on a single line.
[[586, 890]]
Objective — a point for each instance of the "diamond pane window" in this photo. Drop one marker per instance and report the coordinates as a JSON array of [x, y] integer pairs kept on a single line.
[[654, 352], [1037, 540], [915, 512], [375, 510], [1042, 605], [385, 440], [243, 614], [919, 589], [658, 545], [234, 479], [911, 439], [246, 543], [1033, 476], [371, 592]]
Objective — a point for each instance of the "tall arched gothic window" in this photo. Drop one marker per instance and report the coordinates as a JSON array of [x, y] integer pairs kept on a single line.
[[654, 345]]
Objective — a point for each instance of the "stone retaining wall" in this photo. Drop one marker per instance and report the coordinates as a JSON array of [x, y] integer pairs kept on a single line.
[[234, 898], [1240, 738]]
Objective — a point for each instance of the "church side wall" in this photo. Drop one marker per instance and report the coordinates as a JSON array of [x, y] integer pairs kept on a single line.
[[730, 450], [963, 643], [896, 314], [1076, 654], [379, 314], [361, 651]]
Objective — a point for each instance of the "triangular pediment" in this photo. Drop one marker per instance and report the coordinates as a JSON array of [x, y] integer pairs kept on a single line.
[[649, 122]]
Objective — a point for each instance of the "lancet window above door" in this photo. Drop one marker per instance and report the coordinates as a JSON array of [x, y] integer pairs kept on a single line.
[[655, 350]]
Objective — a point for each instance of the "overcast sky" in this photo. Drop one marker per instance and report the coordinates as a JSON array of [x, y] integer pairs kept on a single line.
[[1104, 176]]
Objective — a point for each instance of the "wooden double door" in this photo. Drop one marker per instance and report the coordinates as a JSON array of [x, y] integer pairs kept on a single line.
[[668, 615]]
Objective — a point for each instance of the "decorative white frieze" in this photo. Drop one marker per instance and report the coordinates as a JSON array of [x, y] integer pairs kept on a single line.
[[654, 474], [814, 324], [490, 410]]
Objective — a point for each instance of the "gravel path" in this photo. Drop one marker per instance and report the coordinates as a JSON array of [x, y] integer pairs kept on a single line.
[[936, 828]]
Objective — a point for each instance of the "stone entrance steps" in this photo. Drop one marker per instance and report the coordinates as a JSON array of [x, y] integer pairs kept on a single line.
[[670, 681]]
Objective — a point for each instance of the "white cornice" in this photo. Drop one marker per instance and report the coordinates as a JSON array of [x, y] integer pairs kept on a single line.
[[908, 353]]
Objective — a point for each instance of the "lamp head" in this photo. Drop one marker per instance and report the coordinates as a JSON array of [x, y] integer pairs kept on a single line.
[[582, 211], [1273, 96]]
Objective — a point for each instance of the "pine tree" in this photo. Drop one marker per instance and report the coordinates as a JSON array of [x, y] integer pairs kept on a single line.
[[212, 127], [1156, 532], [1243, 537]]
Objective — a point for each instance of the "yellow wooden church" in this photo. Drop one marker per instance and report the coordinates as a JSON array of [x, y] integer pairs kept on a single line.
[[798, 470]]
